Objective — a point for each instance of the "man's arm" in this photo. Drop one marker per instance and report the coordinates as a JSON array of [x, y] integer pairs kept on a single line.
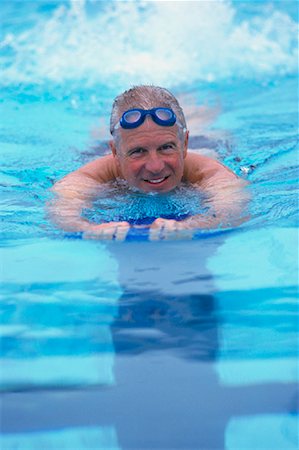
[[76, 191], [226, 198]]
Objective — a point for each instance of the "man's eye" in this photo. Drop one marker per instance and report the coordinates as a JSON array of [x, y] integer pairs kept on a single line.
[[168, 147], [137, 152]]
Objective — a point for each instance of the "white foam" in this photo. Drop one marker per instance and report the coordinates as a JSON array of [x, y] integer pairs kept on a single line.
[[159, 42]]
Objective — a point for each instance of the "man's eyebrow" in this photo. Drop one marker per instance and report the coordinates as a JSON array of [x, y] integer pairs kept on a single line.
[[168, 143]]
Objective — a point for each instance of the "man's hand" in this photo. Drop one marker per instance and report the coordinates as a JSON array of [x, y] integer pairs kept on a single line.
[[162, 229], [109, 231]]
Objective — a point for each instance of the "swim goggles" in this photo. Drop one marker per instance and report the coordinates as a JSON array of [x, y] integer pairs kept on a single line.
[[133, 118]]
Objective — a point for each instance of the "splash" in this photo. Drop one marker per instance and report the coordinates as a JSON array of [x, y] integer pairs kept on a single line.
[[161, 42], [139, 208]]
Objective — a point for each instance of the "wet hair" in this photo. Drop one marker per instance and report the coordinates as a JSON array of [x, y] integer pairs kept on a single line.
[[145, 97]]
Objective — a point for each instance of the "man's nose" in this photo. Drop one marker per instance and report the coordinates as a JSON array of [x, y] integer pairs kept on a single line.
[[154, 163]]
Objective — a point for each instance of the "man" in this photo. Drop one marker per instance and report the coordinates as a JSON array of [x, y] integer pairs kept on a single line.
[[150, 151]]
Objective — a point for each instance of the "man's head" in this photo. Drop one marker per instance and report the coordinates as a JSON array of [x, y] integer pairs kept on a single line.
[[151, 155]]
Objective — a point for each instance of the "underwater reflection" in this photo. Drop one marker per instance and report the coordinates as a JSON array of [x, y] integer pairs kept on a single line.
[[184, 325]]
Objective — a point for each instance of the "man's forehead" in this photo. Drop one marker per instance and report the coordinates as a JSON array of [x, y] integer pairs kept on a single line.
[[151, 132]]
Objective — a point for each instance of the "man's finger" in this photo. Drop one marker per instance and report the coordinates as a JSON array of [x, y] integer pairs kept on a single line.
[[108, 231], [121, 233]]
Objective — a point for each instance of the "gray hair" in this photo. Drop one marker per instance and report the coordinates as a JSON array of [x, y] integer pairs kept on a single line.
[[145, 97]]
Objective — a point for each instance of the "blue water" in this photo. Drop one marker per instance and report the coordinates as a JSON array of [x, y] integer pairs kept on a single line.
[[181, 343]]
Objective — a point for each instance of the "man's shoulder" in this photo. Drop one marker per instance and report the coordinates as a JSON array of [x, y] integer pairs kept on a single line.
[[199, 167], [201, 158], [102, 169]]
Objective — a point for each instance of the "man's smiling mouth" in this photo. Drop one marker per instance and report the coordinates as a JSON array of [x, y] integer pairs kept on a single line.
[[156, 180]]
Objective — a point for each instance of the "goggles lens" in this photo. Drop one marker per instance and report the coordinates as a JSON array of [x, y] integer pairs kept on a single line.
[[133, 118], [164, 114]]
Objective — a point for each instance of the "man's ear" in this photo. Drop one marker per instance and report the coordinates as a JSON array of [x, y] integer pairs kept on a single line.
[[186, 140], [112, 147]]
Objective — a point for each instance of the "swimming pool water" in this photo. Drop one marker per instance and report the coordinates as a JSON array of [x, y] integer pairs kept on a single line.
[[183, 343]]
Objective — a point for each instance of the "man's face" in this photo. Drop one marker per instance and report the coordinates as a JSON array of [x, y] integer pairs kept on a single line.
[[151, 157]]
